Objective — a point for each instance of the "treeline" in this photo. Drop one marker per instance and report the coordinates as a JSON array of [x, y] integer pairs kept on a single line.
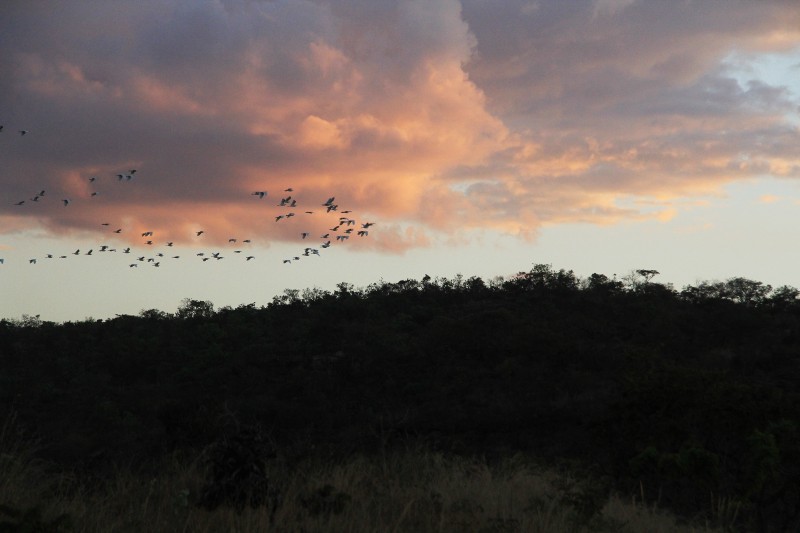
[[690, 396]]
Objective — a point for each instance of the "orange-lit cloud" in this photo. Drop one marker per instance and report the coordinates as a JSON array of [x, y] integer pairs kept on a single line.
[[433, 119]]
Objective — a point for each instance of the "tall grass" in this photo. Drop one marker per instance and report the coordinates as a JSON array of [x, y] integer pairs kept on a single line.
[[415, 490]]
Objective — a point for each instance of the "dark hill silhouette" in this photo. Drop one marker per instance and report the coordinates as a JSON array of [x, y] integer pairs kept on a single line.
[[683, 393]]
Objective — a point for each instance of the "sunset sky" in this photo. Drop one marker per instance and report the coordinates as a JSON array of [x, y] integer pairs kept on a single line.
[[479, 137]]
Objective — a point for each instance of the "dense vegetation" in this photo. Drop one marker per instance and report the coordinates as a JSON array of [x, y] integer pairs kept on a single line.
[[690, 396]]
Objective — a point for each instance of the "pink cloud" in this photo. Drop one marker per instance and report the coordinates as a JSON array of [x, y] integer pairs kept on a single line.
[[433, 120]]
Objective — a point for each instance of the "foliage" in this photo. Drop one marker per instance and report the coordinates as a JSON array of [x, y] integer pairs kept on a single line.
[[414, 490], [238, 473], [685, 394], [13, 520]]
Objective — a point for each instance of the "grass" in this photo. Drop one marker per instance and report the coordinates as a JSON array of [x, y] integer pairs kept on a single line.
[[415, 490]]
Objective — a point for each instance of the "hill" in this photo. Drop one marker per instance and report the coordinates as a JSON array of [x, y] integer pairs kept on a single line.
[[690, 394]]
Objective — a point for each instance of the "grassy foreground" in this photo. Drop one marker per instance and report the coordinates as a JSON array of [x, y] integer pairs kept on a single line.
[[413, 490]]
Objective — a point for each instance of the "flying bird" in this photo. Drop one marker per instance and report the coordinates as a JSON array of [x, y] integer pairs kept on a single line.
[[23, 132], [260, 194], [200, 232], [66, 202]]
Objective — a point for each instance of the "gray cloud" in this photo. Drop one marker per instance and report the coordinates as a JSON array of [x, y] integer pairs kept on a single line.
[[451, 115]]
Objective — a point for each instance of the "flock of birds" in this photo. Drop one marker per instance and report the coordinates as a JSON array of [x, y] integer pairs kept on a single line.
[[157, 252]]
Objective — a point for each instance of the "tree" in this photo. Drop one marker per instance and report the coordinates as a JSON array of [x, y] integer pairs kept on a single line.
[[195, 309], [647, 274], [746, 291]]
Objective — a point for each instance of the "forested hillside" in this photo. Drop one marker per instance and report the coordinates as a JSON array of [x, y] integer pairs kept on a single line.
[[692, 395]]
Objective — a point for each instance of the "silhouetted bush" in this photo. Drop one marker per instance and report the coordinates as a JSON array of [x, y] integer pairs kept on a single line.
[[238, 474]]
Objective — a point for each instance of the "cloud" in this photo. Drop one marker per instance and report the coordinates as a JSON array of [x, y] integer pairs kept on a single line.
[[432, 118], [768, 198]]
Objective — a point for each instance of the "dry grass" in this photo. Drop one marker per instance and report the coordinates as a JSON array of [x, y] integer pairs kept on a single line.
[[413, 491]]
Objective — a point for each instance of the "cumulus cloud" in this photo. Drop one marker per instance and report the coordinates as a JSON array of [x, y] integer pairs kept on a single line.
[[433, 117]]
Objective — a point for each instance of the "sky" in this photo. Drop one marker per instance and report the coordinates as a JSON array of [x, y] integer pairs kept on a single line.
[[472, 137]]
